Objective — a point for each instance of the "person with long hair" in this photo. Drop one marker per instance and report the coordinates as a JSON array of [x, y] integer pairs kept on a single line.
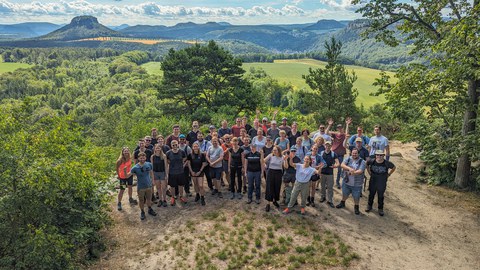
[[304, 173], [317, 163], [235, 163], [196, 164], [274, 177], [123, 166], [159, 162]]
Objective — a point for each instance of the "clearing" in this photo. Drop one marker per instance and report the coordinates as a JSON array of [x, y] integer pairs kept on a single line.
[[424, 227]]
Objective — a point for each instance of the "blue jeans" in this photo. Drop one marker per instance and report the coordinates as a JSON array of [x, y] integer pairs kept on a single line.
[[254, 179], [354, 190], [339, 170]]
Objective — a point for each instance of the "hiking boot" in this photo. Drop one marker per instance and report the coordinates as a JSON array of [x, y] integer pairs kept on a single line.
[[276, 204], [197, 197], [286, 211], [183, 200], [357, 210], [302, 211], [220, 195], [312, 203], [214, 192], [244, 189], [239, 196], [132, 201], [267, 208], [322, 200], [331, 204], [249, 201], [380, 212], [232, 196], [369, 208], [172, 201], [154, 199], [142, 215], [151, 212], [160, 204], [257, 201], [202, 200], [340, 205], [119, 206], [308, 201]]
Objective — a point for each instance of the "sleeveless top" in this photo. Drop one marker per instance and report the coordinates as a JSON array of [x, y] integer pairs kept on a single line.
[[275, 163], [158, 164], [124, 167]]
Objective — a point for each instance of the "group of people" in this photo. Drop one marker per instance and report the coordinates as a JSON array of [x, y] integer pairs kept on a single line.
[[289, 159]]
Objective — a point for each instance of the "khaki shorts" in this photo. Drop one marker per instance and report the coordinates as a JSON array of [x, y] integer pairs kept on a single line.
[[144, 193]]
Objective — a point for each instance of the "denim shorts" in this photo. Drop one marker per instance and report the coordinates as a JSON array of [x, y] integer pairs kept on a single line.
[[216, 173], [354, 190]]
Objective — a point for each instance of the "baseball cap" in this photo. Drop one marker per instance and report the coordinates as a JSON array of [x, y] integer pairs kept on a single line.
[[254, 145], [358, 139], [339, 125], [293, 148], [273, 122], [211, 127], [182, 136], [264, 119], [284, 118], [328, 142]]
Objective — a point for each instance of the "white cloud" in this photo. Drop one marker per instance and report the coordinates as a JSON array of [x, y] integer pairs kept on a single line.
[[152, 12], [339, 4]]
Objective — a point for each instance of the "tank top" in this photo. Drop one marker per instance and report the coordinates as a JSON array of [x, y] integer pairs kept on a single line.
[[124, 169], [158, 164], [275, 163]]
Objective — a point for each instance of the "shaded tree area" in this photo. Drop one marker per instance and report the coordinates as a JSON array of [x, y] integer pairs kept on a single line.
[[437, 101]]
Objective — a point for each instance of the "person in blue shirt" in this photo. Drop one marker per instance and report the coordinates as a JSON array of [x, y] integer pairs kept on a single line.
[[144, 172]]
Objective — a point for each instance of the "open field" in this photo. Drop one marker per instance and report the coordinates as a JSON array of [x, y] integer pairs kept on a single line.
[[291, 71], [7, 67]]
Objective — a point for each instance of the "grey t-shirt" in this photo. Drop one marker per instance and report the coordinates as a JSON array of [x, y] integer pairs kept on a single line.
[[358, 164], [214, 153], [377, 143]]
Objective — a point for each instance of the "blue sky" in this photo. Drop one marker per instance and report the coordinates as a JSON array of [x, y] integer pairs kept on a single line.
[[170, 12]]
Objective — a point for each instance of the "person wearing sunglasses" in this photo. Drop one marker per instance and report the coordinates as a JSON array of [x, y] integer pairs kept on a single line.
[[379, 170], [144, 172]]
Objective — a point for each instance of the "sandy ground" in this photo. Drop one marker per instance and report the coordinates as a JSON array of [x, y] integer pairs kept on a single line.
[[424, 227]]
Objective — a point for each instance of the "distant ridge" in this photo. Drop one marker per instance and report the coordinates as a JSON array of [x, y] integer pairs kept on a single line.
[[81, 27], [325, 25]]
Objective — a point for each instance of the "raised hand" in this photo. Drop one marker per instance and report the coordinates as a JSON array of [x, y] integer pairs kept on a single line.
[[330, 121], [348, 121]]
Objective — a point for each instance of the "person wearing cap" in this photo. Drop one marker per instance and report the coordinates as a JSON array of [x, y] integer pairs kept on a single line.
[[254, 168], [363, 137], [338, 141], [237, 127], [378, 142], [182, 145], [362, 151], [284, 125], [290, 171], [224, 129], [212, 132], [326, 178], [379, 170], [354, 167], [173, 136], [192, 135], [273, 131]]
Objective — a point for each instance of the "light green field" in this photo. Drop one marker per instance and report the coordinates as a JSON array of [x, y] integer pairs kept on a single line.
[[7, 67], [291, 71]]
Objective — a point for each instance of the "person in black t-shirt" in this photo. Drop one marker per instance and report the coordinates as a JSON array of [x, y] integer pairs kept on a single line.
[[196, 163], [379, 170], [192, 135], [288, 177], [141, 149], [326, 178], [159, 163], [235, 163], [254, 169]]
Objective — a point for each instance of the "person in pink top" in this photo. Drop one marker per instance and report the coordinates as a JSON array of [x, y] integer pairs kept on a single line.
[[338, 138]]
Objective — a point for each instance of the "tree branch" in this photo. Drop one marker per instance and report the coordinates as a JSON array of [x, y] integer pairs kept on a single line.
[[455, 10]]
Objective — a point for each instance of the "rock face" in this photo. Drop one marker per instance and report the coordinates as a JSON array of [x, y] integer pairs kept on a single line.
[[81, 27]]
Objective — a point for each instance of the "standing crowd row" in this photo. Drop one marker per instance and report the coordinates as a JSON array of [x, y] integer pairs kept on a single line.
[[289, 159]]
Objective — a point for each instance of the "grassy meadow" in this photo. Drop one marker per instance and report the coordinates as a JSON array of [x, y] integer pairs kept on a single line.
[[291, 71], [7, 67]]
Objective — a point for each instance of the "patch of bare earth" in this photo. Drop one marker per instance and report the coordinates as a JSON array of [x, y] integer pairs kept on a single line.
[[424, 227]]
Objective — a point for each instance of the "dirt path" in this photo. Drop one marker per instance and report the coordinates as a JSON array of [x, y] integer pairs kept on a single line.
[[423, 228]]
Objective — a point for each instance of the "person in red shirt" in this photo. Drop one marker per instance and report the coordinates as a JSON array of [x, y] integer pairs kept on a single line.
[[337, 145], [175, 136], [237, 127]]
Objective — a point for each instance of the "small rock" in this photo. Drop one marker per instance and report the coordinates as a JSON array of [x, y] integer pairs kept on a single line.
[[396, 154]]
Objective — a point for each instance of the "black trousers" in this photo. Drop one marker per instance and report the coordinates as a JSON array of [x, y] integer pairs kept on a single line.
[[377, 186], [273, 186], [206, 170], [236, 171]]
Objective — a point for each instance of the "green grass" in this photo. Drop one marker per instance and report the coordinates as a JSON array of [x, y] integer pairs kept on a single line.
[[8, 67], [291, 71]]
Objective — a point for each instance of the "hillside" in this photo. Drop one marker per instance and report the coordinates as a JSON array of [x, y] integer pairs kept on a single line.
[[26, 30], [79, 28]]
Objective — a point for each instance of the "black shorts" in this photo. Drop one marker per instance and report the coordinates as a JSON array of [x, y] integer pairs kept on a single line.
[[175, 180], [126, 182], [288, 177], [315, 177], [216, 173]]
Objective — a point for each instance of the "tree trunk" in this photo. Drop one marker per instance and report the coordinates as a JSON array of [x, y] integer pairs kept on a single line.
[[462, 175]]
